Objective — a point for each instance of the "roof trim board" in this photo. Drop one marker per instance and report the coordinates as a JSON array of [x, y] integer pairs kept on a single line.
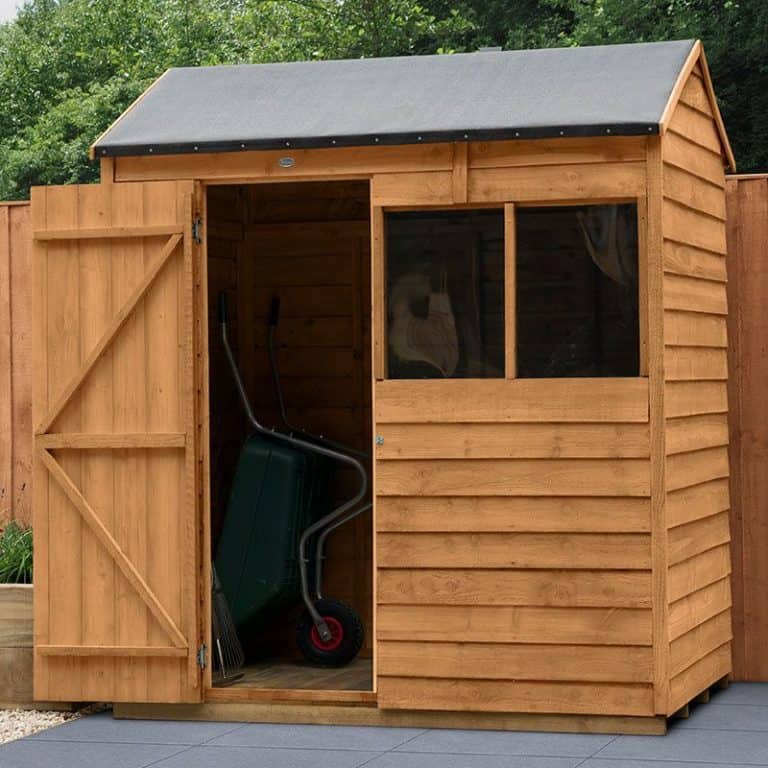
[[695, 57], [393, 139]]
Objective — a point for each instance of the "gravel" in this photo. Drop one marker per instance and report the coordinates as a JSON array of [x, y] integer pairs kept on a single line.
[[17, 723]]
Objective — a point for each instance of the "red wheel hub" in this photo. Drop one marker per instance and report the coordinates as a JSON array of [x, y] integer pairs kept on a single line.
[[337, 635]]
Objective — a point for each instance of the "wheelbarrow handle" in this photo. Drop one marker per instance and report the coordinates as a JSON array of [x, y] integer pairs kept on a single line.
[[274, 311]]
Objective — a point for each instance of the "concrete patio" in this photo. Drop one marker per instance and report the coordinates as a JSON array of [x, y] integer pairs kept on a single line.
[[730, 731]]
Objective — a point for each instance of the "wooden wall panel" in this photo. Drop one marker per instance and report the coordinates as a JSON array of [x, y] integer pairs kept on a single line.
[[695, 397], [513, 515], [15, 363], [747, 288]]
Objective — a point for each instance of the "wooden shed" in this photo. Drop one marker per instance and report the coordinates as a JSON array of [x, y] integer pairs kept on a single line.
[[502, 276]]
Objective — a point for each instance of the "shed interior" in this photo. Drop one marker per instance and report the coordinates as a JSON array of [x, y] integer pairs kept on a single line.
[[307, 244]]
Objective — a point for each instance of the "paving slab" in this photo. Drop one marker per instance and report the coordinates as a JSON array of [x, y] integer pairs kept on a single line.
[[726, 717], [692, 745], [507, 743], [103, 727], [596, 762], [259, 757], [317, 737], [431, 760], [32, 753], [743, 693]]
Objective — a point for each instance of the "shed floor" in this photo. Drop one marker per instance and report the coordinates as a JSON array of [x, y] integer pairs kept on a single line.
[[731, 730], [295, 675]]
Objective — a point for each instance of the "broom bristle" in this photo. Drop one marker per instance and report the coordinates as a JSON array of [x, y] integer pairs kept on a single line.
[[228, 654]]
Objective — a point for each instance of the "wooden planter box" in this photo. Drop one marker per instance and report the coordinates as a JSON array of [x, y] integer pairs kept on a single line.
[[15, 645]]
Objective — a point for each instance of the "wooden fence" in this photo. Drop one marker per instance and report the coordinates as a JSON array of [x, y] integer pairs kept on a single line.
[[15, 363], [747, 215]]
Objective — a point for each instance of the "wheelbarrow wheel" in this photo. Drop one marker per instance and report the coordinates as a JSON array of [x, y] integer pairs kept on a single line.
[[346, 635]]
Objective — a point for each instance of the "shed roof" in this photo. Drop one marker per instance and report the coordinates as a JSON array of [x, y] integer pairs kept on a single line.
[[589, 91]]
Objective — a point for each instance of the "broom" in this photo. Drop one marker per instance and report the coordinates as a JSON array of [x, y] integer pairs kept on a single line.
[[228, 654]]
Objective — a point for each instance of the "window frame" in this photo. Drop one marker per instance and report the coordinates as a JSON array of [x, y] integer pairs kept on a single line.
[[509, 209]]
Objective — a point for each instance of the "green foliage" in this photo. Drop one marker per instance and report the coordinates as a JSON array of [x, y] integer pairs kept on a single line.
[[69, 67], [15, 554]]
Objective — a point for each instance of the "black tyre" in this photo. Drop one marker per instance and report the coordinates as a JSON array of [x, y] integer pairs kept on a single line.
[[346, 635]]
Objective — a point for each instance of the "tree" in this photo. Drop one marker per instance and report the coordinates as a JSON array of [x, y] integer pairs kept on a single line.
[[68, 68]]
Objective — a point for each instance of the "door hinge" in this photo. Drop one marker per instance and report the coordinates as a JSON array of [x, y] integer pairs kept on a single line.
[[197, 230], [202, 656]]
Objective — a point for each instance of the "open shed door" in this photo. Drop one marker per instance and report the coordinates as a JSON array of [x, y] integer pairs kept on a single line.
[[115, 509]]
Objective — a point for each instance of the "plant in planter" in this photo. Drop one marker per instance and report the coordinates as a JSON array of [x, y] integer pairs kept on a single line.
[[15, 554], [15, 616]]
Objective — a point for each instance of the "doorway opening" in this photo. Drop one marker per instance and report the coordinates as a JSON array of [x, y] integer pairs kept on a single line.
[[289, 278]]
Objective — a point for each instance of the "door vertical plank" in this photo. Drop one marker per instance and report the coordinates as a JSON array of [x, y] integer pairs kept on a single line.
[[165, 474], [130, 481], [96, 310], [65, 354]]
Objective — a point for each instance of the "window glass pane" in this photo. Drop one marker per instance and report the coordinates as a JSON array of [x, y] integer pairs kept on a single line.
[[577, 291], [445, 294]]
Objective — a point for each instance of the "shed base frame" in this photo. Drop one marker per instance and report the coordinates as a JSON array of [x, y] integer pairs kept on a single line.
[[317, 714]]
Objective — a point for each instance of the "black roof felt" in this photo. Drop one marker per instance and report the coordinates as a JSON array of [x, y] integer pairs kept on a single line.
[[590, 91]]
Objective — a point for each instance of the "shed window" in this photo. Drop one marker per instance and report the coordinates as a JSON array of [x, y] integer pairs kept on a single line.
[[577, 291], [445, 294]]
